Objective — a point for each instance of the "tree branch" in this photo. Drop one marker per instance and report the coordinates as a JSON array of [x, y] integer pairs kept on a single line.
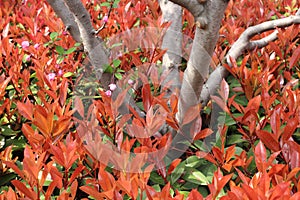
[[205, 39], [197, 8], [172, 41], [243, 44], [63, 12], [91, 43]]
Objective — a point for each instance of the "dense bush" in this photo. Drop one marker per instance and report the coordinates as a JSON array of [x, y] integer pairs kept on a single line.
[[256, 154]]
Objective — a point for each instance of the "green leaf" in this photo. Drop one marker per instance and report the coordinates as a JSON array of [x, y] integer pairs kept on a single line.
[[242, 100], [106, 4], [68, 74], [77, 44], [155, 178], [118, 76], [234, 139], [8, 131], [116, 63], [193, 162], [177, 172], [60, 50], [116, 45], [196, 177], [6, 178], [189, 186], [109, 69], [59, 59], [229, 121], [116, 2], [53, 35], [71, 50]]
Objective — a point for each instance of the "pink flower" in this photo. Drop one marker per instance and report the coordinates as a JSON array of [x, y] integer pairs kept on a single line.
[[28, 58], [130, 82], [108, 93], [25, 44], [51, 76], [60, 72], [112, 86], [36, 46], [105, 18]]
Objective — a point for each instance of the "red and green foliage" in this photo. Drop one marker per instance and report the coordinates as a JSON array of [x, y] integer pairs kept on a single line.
[[257, 154]]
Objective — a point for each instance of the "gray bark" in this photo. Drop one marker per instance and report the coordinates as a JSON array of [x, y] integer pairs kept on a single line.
[[92, 44], [243, 44], [208, 16], [172, 41], [67, 17]]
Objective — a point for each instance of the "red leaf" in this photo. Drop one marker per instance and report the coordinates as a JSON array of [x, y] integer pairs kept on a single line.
[[147, 97], [220, 103], [11, 165], [63, 92], [268, 139], [23, 189], [254, 104], [276, 49], [296, 196], [79, 106], [295, 57], [26, 109], [250, 192], [119, 101], [3, 86], [76, 172], [173, 165], [260, 156], [244, 178], [125, 186], [224, 90], [290, 128], [203, 134], [191, 114], [73, 189], [275, 121], [92, 192], [194, 195]]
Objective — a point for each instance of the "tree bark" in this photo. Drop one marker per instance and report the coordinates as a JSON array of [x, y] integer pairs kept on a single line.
[[63, 12], [208, 16], [172, 41]]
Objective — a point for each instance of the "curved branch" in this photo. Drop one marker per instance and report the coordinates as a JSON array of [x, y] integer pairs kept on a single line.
[[197, 8], [243, 44]]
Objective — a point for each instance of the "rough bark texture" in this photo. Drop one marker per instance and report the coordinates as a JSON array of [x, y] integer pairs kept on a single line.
[[172, 41]]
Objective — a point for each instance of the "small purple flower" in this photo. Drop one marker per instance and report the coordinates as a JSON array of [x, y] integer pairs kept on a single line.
[[36, 46], [130, 82], [112, 86], [65, 32], [108, 93], [51, 76], [25, 44], [105, 19]]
